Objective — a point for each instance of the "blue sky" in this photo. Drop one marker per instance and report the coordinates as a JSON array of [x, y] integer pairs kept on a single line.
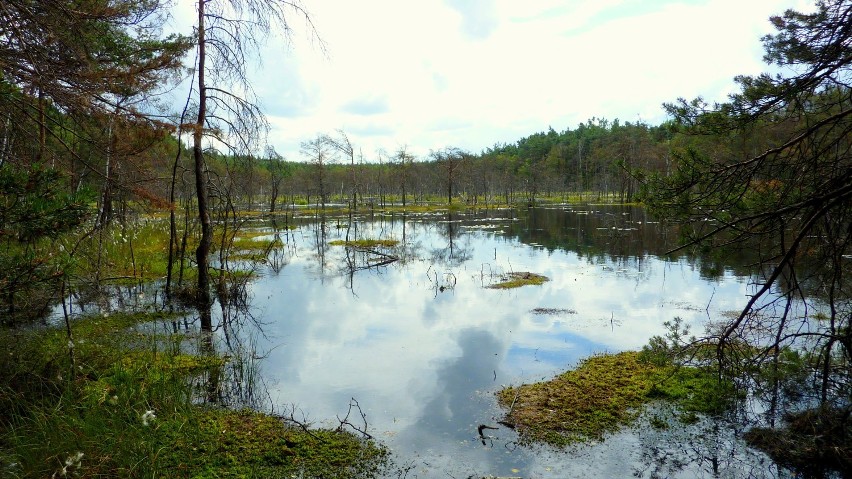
[[473, 73]]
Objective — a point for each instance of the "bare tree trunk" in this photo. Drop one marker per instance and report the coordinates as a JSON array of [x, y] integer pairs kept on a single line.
[[6, 145], [172, 221], [182, 249], [173, 241], [105, 211], [202, 253], [41, 127]]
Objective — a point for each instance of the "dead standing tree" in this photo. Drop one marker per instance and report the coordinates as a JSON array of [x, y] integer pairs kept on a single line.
[[344, 146], [450, 161], [320, 152], [278, 170], [404, 161], [229, 34]]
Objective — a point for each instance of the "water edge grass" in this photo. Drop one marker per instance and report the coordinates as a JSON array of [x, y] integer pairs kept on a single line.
[[127, 406]]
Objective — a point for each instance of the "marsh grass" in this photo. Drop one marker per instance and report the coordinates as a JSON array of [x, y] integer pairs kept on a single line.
[[128, 407], [603, 394], [139, 252]]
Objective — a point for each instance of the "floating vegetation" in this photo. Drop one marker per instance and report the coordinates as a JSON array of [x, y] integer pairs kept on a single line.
[[365, 243], [518, 279], [603, 394], [553, 311]]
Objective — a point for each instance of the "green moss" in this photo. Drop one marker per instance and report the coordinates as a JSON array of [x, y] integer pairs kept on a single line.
[[365, 243], [249, 444], [603, 394], [128, 408], [518, 279]]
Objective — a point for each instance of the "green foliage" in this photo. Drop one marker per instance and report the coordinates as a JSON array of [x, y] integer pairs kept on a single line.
[[673, 348], [79, 53], [34, 208], [34, 204], [769, 171]]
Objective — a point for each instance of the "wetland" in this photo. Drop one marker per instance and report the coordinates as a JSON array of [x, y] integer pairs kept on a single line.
[[398, 314], [518, 342]]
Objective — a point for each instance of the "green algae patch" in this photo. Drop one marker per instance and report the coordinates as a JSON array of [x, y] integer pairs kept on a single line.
[[518, 279], [365, 243], [603, 394]]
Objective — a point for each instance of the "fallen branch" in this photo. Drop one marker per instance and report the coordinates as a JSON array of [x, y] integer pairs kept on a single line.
[[353, 403]]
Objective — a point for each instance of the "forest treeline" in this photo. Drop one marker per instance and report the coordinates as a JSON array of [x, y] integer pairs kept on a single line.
[[597, 159]]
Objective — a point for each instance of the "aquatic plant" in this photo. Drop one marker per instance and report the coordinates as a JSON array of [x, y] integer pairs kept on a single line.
[[518, 279]]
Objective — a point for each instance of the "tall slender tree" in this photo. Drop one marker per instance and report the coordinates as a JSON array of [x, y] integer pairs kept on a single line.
[[320, 153], [228, 35]]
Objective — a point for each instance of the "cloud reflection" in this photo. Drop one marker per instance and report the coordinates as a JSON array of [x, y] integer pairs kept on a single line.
[[424, 362]]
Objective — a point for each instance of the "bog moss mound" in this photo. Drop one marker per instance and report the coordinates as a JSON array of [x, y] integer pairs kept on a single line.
[[120, 401], [603, 394], [518, 279], [250, 444]]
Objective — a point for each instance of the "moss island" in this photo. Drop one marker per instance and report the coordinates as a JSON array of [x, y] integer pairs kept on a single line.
[[604, 393]]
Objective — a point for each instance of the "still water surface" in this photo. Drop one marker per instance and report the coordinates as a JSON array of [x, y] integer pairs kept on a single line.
[[422, 344]]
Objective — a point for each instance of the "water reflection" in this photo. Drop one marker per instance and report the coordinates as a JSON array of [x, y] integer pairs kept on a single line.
[[422, 344]]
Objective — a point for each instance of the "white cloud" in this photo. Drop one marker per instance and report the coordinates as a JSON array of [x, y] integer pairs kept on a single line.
[[479, 18], [440, 73]]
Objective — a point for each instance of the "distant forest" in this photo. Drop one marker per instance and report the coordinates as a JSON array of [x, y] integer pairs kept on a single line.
[[131, 163]]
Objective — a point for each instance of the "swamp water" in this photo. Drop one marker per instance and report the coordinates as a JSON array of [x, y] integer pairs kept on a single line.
[[422, 344]]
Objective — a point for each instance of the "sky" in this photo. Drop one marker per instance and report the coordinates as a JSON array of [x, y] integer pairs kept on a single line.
[[429, 74]]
